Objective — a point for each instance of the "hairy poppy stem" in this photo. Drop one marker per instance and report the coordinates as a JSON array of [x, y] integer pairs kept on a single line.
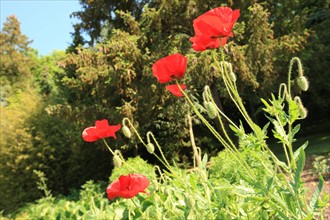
[[197, 156]]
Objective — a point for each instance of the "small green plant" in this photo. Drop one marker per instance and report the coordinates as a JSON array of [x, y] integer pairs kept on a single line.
[[41, 183], [321, 165]]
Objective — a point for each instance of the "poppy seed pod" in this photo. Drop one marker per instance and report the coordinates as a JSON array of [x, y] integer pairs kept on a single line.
[[211, 110], [117, 162], [302, 83], [150, 148], [126, 131]]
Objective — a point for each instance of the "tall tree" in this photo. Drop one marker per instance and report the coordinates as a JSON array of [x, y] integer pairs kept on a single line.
[[16, 57], [97, 14]]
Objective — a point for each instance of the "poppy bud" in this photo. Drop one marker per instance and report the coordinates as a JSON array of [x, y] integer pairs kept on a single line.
[[303, 112], [126, 131], [302, 83], [205, 103], [211, 110], [117, 162], [232, 76], [150, 148]]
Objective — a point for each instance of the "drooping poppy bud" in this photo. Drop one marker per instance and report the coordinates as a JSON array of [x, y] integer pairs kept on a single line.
[[117, 162], [211, 110], [303, 112], [126, 131], [302, 83], [232, 76], [150, 148]]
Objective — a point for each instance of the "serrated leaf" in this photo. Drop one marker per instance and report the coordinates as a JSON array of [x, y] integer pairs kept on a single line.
[[316, 194], [294, 132]]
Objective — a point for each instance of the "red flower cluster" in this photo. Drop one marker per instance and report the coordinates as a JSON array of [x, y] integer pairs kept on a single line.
[[170, 68], [100, 130], [128, 186], [213, 28]]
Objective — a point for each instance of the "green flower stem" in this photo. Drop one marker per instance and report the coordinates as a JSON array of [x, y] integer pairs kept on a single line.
[[138, 207], [220, 120], [234, 149], [106, 144], [229, 87], [164, 161], [300, 73], [208, 197], [233, 93], [113, 153], [193, 145], [216, 134], [223, 114], [160, 150]]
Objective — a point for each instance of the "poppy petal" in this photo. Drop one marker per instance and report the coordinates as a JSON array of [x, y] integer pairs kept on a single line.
[[127, 186], [102, 129], [212, 26], [175, 90], [89, 134], [169, 68]]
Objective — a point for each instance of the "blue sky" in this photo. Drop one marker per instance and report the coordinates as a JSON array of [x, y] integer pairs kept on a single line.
[[46, 22]]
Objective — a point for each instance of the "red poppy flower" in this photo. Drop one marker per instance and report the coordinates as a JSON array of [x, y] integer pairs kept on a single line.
[[127, 186], [175, 90], [169, 68], [214, 24], [100, 130]]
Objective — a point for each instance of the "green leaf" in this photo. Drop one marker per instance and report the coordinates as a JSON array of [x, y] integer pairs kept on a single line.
[[147, 203], [299, 169], [316, 194], [265, 128], [293, 111], [204, 161], [294, 132], [296, 153]]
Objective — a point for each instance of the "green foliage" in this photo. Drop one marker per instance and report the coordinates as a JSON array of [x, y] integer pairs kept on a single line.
[[41, 184], [321, 165], [224, 168], [18, 154], [134, 165]]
